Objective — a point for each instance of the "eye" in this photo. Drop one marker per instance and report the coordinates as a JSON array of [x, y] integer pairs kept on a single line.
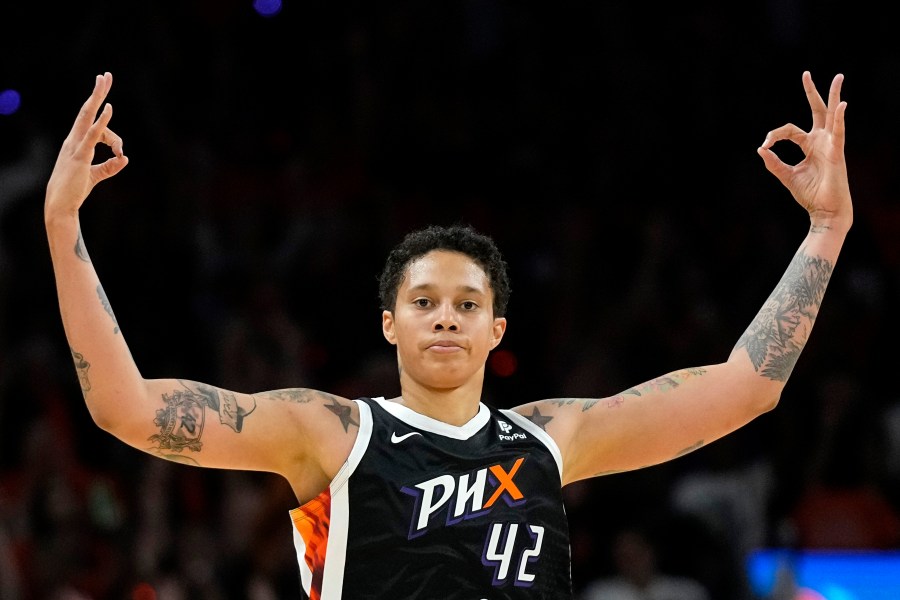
[[422, 302], [469, 305]]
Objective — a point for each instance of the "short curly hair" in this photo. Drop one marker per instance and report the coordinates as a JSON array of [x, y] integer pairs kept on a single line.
[[455, 238]]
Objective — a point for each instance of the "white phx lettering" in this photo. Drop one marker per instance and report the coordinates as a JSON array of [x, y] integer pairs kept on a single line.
[[470, 497]]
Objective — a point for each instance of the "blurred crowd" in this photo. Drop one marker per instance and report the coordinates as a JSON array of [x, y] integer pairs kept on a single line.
[[274, 164]]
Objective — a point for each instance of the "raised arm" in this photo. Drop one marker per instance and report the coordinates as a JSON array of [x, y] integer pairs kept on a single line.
[[102, 360], [683, 410], [819, 183], [302, 434]]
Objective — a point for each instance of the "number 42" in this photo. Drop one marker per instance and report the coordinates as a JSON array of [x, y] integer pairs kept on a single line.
[[500, 556]]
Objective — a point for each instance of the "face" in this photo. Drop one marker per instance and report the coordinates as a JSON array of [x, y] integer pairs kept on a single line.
[[443, 324]]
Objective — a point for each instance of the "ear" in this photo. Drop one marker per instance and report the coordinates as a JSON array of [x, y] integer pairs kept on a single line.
[[498, 330], [387, 327]]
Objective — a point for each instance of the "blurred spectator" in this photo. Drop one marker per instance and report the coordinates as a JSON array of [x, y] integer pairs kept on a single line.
[[61, 519], [638, 575], [843, 505], [261, 346], [729, 494]]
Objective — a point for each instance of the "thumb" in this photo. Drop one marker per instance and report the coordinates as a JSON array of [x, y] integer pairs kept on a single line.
[[108, 168], [775, 165]]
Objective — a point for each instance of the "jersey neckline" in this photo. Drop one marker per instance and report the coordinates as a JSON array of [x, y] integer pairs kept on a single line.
[[425, 423]]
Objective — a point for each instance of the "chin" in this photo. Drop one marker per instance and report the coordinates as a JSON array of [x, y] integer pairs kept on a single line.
[[444, 383]]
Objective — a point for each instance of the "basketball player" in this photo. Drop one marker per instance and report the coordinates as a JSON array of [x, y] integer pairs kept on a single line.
[[433, 494]]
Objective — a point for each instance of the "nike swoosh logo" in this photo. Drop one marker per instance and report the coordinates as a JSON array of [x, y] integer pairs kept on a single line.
[[396, 439]]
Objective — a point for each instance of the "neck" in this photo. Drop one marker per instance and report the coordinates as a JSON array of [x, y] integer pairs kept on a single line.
[[455, 406]]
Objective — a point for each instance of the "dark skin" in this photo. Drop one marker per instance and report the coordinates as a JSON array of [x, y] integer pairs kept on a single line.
[[444, 329]]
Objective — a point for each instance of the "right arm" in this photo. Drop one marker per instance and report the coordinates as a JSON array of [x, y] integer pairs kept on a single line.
[[302, 434], [681, 411]]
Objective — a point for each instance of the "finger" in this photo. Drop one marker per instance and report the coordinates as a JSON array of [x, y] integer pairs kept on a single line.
[[93, 135], [834, 99], [90, 107], [100, 132], [819, 110], [785, 132], [837, 133], [114, 141]]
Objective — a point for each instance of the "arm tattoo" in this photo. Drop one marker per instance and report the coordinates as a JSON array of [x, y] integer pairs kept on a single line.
[[80, 250], [223, 402], [603, 473], [563, 401], [295, 395], [106, 306], [343, 413], [659, 384], [689, 449], [81, 367], [182, 420], [538, 419], [780, 330], [178, 458], [612, 401]]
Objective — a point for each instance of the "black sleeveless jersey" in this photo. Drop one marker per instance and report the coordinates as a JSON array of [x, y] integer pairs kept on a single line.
[[429, 511]]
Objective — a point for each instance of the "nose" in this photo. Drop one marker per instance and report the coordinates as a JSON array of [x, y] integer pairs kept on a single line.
[[445, 319]]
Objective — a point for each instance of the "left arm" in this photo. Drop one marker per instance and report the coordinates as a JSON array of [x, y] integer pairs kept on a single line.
[[674, 414]]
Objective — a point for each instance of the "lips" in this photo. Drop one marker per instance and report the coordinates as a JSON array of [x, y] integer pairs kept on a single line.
[[444, 346]]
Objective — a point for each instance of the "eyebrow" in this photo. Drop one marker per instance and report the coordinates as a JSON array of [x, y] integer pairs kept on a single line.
[[468, 289]]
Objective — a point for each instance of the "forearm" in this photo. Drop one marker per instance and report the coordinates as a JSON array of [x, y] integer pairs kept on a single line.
[[779, 332], [106, 370]]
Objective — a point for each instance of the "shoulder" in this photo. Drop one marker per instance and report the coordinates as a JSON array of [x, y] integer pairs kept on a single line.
[[558, 417], [325, 424], [542, 412]]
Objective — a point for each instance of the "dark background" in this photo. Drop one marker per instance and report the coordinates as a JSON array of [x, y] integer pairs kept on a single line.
[[608, 147]]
